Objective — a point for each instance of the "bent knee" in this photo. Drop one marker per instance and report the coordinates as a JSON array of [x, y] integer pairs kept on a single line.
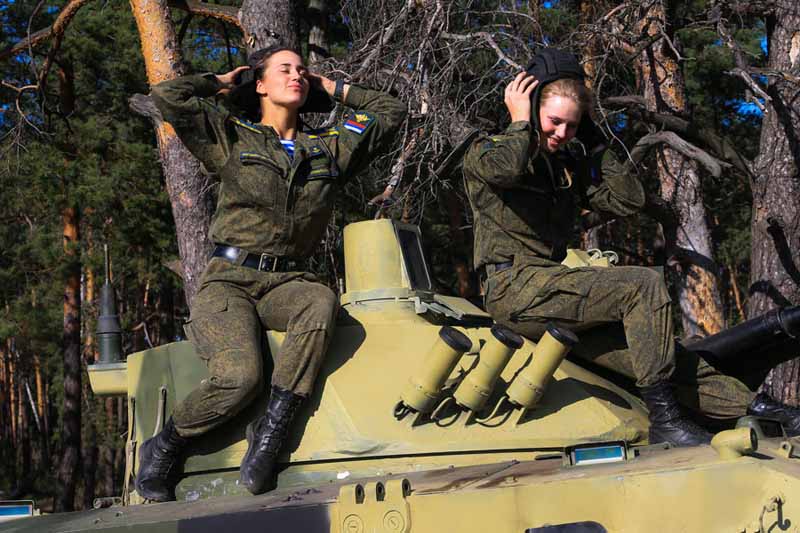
[[653, 286], [235, 392], [320, 307]]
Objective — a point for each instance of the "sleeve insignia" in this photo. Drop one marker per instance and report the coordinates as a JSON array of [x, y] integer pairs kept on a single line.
[[359, 122]]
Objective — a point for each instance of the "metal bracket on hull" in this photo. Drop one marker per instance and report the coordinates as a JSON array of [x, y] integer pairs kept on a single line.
[[374, 507]]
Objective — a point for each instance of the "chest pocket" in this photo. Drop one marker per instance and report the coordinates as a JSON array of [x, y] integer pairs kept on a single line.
[[316, 183], [261, 179], [321, 165]]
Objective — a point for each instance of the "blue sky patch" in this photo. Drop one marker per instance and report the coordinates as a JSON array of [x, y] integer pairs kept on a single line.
[[749, 109], [745, 108], [619, 123]]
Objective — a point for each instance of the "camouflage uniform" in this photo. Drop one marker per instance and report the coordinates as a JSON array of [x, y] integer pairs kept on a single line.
[[525, 205], [272, 204]]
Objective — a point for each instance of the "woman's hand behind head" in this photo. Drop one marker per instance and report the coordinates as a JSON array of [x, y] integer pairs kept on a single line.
[[518, 96], [228, 79]]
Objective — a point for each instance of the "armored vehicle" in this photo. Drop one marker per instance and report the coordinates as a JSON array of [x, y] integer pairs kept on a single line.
[[427, 418]]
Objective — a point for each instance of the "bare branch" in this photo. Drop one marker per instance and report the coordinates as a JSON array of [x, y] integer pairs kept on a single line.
[[18, 103], [385, 37], [750, 82], [59, 29], [486, 36], [227, 14], [741, 69], [34, 39], [782, 74], [719, 146], [712, 164]]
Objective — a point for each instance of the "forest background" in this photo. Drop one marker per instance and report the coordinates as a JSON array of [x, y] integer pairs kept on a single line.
[[701, 95]]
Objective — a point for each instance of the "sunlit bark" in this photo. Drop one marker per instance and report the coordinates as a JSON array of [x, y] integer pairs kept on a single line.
[[661, 82]]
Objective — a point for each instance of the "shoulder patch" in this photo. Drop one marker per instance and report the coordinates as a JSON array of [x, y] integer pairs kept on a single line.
[[359, 122]]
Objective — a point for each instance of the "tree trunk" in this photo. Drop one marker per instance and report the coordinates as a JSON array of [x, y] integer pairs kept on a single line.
[[24, 445], [268, 23], [11, 430], [12, 392], [318, 31], [187, 185], [4, 419], [41, 402], [71, 344], [775, 225], [89, 434], [661, 81]]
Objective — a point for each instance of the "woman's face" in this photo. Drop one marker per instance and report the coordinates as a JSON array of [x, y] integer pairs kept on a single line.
[[559, 118], [284, 81]]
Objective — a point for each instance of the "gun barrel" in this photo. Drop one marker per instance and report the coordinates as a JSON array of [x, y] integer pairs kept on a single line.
[[750, 336]]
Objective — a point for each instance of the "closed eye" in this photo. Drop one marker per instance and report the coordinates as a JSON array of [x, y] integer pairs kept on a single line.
[[557, 122]]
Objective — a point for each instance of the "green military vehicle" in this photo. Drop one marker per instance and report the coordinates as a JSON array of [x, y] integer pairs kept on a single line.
[[426, 418]]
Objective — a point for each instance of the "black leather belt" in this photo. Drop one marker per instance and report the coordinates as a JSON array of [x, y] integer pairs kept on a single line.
[[262, 262], [498, 267]]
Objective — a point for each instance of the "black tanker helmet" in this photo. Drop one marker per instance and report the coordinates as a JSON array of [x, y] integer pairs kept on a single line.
[[244, 99], [551, 64], [548, 65]]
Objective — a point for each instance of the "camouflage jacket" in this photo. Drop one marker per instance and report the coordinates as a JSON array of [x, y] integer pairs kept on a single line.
[[269, 202], [526, 202]]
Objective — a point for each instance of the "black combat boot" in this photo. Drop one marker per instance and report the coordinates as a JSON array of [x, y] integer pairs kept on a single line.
[[766, 407], [667, 423], [265, 437], [159, 462]]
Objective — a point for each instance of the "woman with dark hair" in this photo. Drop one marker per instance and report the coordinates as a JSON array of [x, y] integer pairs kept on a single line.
[[278, 182], [526, 187]]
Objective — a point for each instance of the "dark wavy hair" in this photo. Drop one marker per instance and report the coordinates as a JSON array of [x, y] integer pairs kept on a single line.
[[259, 59], [244, 100]]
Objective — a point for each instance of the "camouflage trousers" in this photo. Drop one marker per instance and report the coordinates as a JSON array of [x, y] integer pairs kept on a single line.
[[624, 322], [231, 311]]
